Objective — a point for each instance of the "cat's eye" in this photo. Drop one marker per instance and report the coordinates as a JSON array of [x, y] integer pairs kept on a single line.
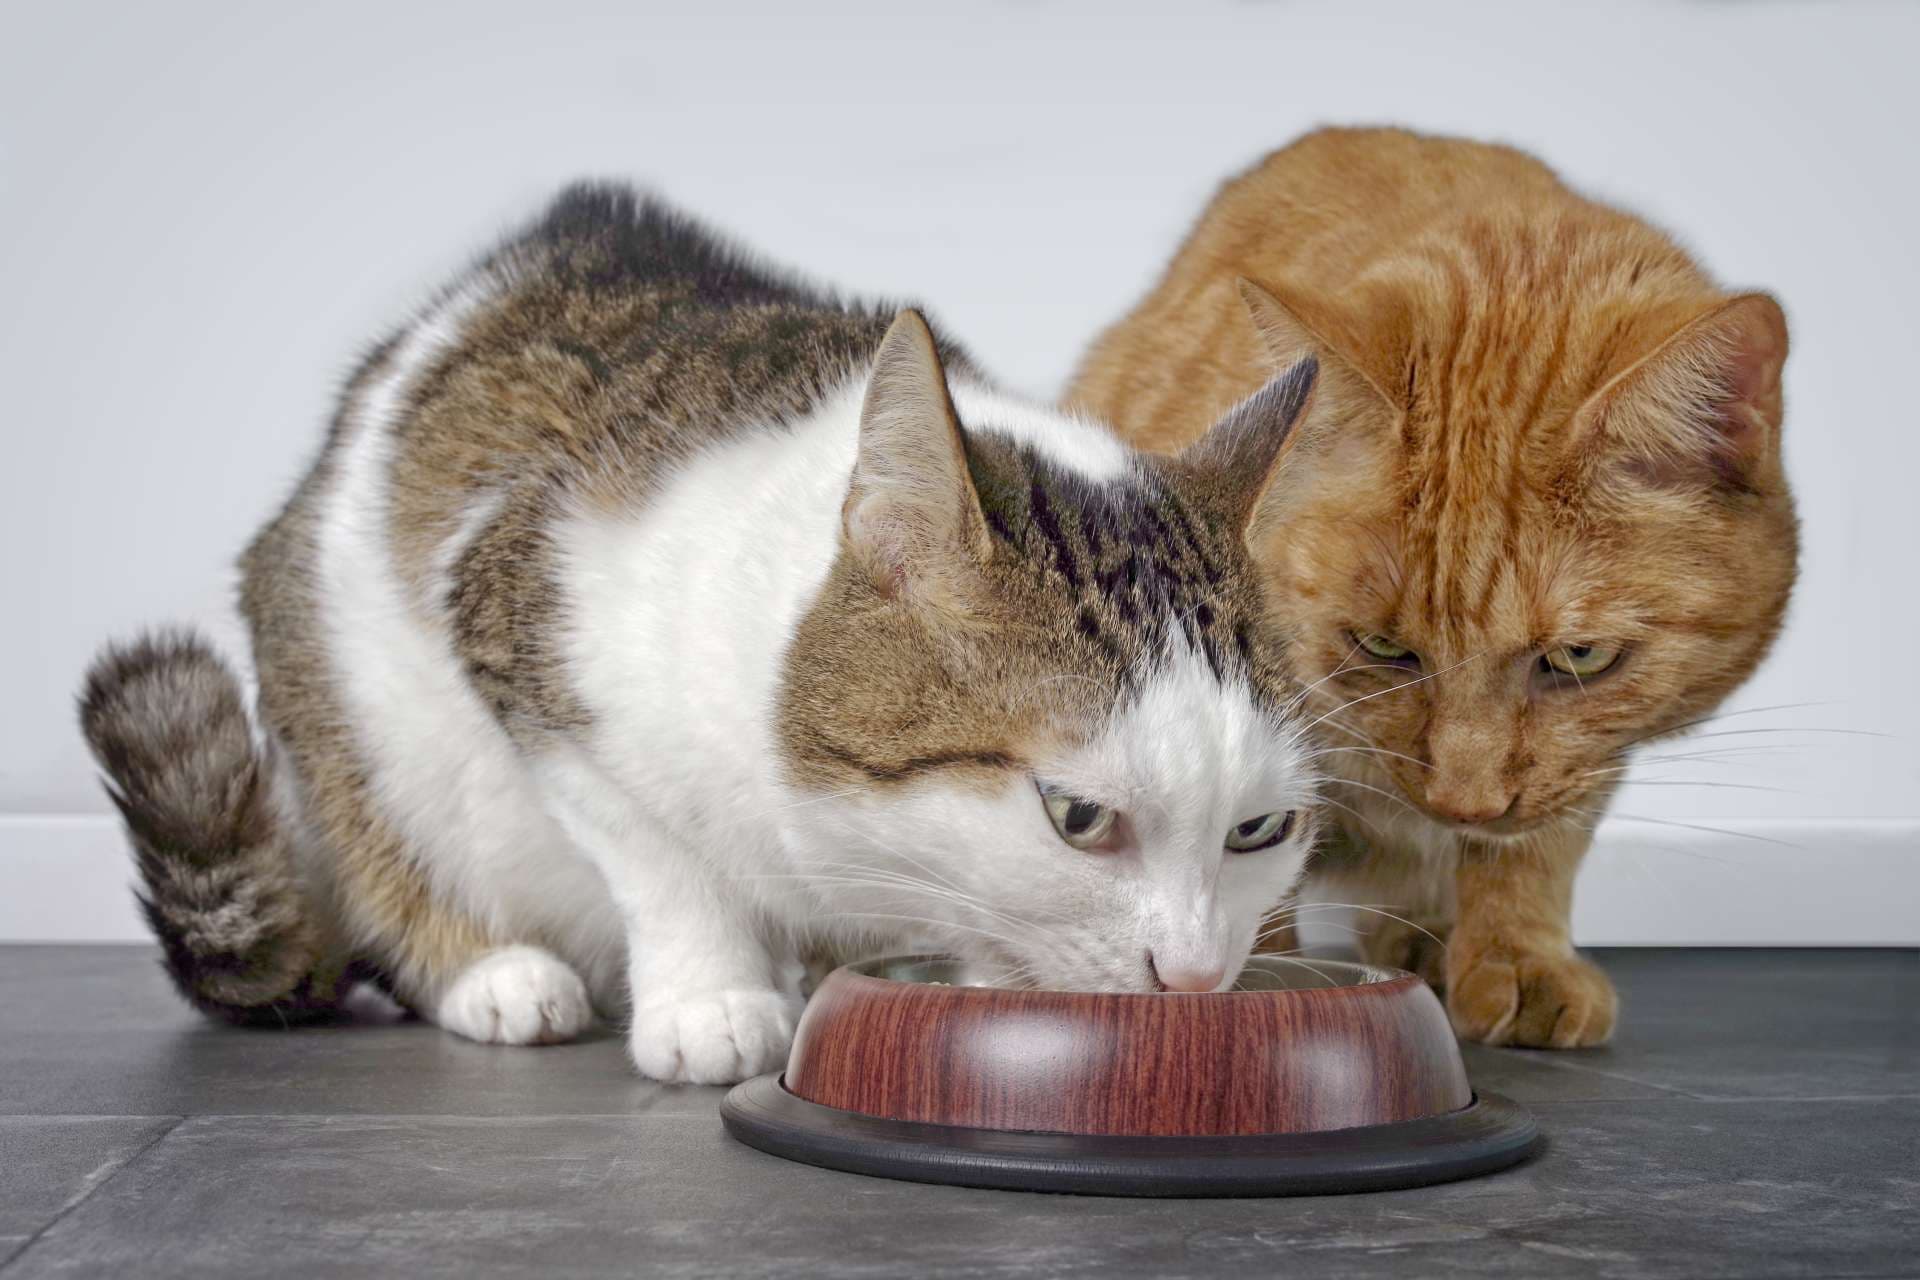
[[1384, 649], [1580, 661], [1081, 823], [1263, 832]]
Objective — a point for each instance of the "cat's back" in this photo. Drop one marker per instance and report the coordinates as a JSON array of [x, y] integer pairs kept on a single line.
[[611, 339], [581, 362], [1325, 207], [1372, 235], [606, 339]]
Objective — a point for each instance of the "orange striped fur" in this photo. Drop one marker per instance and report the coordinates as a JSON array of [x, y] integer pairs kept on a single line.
[[1540, 424]]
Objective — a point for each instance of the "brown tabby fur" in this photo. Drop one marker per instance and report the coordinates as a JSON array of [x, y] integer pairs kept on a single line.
[[1541, 424], [590, 356]]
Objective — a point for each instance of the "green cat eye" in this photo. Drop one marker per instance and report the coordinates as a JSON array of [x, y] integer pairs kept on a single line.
[[1580, 660], [1381, 647], [1081, 823], [1263, 832]]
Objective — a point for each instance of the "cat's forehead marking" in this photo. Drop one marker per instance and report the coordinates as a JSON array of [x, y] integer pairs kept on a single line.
[[1127, 558], [1515, 324], [1102, 583]]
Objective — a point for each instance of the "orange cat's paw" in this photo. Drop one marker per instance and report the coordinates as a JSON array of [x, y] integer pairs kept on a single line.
[[1502, 995]]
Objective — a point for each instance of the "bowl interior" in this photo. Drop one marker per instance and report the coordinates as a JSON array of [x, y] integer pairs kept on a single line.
[[1263, 973]]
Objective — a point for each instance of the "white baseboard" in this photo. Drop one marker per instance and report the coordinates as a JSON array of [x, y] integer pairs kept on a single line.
[[1846, 882], [1827, 882], [66, 878]]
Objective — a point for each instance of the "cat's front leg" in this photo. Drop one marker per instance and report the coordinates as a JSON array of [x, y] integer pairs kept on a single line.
[[707, 1002], [1513, 976]]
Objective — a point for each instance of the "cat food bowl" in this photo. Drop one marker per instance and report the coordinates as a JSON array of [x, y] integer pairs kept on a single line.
[[1303, 1079]]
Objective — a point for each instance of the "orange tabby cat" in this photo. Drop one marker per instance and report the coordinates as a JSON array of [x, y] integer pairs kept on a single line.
[[1544, 519]]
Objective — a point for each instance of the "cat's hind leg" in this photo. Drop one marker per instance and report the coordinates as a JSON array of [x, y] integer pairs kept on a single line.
[[516, 995]]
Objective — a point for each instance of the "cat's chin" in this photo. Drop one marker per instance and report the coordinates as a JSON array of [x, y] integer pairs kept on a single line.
[[1508, 830], [1499, 831]]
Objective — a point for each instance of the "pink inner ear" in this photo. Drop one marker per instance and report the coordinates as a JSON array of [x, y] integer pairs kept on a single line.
[[1735, 435], [1721, 443], [1723, 384], [1752, 407]]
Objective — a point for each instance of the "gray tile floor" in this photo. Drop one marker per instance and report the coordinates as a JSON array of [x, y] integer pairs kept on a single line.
[[1758, 1116]]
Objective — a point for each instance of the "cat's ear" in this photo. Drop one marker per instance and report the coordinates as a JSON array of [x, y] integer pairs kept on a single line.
[[1703, 408], [1240, 460], [1294, 330], [911, 516]]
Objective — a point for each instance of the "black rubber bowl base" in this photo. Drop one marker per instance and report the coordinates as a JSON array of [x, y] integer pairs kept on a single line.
[[1488, 1134]]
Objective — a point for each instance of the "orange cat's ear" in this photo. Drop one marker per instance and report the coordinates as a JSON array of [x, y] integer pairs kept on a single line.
[[1703, 407], [1239, 460], [1291, 333]]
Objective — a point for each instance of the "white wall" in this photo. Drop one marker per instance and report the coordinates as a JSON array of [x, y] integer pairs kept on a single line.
[[206, 209]]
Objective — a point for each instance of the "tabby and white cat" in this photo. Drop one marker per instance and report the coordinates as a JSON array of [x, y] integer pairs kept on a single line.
[[650, 622]]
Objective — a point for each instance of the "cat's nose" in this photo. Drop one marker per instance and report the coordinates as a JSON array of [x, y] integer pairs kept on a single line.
[[1467, 806], [1186, 976], [1470, 781]]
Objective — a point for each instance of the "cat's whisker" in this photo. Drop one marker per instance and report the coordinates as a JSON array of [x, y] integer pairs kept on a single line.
[[1368, 751], [1745, 733], [890, 851], [903, 856], [1588, 820], [1722, 755], [891, 884], [1382, 792], [1380, 911], [1712, 830], [1679, 850], [1279, 929], [1314, 969], [1340, 668], [959, 893], [1352, 812], [1318, 905], [1729, 715], [1720, 786], [1395, 689], [930, 892], [1367, 746], [1033, 928], [929, 921], [1712, 756], [873, 877], [1300, 698]]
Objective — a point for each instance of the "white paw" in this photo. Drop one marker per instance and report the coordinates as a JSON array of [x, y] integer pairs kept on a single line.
[[712, 1037], [516, 995]]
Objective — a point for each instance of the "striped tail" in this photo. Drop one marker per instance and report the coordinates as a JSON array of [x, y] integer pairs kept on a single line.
[[167, 721]]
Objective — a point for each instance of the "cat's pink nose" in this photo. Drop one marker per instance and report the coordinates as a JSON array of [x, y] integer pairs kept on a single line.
[[1186, 977]]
